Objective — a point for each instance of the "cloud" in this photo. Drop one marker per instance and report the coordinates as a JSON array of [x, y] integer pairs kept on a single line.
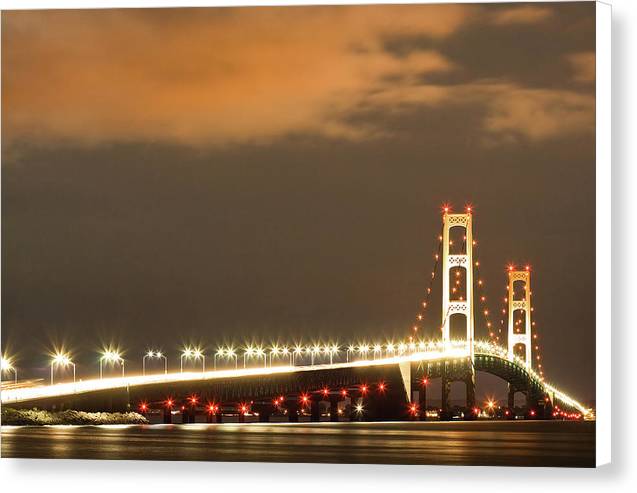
[[583, 65], [522, 15], [204, 76], [216, 77], [537, 114]]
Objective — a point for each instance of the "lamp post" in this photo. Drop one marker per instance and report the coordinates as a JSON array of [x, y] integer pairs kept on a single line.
[[154, 354], [390, 348], [378, 351], [111, 357], [287, 353], [247, 353], [314, 351], [60, 359], [333, 352], [7, 366], [273, 352], [298, 352], [196, 354], [219, 354], [350, 350], [186, 353], [260, 352], [363, 350], [232, 354]]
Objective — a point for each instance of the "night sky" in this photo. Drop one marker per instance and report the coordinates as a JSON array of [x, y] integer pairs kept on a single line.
[[210, 176]]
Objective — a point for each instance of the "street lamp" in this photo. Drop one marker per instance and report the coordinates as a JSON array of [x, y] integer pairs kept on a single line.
[[333, 352], [154, 354], [260, 352], [378, 350], [6, 366], [247, 353], [286, 352], [60, 359], [390, 348], [297, 353], [351, 349], [185, 353], [231, 353], [111, 357], [363, 350], [274, 350], [195, 354], [219, 354], [314, 351]]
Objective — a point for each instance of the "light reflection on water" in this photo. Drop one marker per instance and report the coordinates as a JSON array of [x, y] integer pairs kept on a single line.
[[472, 443]]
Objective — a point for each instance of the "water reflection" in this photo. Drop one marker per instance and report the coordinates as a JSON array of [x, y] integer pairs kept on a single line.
[[473, 443]]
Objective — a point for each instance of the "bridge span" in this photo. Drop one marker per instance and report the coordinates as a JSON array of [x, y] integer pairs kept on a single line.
[[381, 388]]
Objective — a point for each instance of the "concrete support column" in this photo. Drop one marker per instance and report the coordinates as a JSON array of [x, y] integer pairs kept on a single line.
[[334, 408], [292, 406], [422, 401], [470, 385], [445, 414], [511, 403], [219, 416], [353, 414], [168, 417], [315, 409], [264, 410], [184, 415]]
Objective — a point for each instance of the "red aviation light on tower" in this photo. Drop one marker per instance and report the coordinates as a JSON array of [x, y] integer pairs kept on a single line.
[[468, 208], [446, 208], [511, 267], [527, 268]]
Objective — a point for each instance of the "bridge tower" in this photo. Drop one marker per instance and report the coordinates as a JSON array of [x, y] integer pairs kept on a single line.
[[462, 305], [449, 262], [524, 304]]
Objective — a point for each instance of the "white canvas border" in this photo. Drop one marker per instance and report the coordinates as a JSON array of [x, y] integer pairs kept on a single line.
[[130, 472], [603, 214]]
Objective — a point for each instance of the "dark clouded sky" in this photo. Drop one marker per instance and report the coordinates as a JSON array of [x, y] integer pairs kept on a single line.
[[214, 175]]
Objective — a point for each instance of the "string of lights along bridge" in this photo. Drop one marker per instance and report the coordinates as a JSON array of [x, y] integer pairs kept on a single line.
[[369, 380]]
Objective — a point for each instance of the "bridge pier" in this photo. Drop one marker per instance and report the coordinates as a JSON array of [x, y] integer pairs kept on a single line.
[[168, 416], [354, 415], [292, 405], [511, 403], [219, 416], [315, 408], [445, 414], [265, 411], [334, 408], [422, 401], [470, 383]]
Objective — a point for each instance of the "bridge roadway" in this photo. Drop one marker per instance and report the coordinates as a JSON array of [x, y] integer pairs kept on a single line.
[[399, 375]]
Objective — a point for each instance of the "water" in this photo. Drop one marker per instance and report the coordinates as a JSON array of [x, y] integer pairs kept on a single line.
[[506, 443]]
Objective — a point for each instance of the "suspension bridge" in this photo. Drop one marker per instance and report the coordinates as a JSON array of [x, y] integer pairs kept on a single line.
[[381, 381]]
